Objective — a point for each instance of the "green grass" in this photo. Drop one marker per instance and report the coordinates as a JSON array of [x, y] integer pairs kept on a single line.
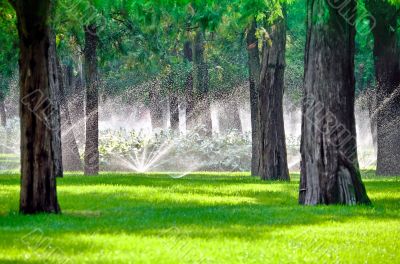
[[202, 218]]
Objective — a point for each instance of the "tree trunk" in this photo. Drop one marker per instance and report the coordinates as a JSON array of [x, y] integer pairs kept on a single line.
[[273, 157], [156, 109], [254, 82], [92, 101], [38, 182], [229, 117], [202, 111], [3, 118], [371, 97], [55, 117], [70, 151], [329, 167], [236, 123], [387, 72], [77, 88], [174, 112], [187, 53], [3, 115]]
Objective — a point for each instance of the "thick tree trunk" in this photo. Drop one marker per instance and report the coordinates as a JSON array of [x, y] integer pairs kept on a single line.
[[202, 111], [92, 101], [55, 117], [174, 112], [38, 182], [254, 82], [272, 151], [3, 116], [70, 151], [387, 72], [329, 167]]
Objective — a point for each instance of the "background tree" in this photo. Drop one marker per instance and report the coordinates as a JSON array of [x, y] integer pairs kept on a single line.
[[266, 79], [272, 149], [55, 101], [8, 56], [254, 84], [91, 159], [386, 53]]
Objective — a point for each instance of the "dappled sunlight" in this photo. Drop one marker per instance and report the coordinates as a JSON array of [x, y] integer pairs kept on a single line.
[[241, 131], [154, 218]]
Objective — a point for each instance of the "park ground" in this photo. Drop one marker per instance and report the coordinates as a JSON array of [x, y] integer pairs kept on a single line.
[[200, 218]]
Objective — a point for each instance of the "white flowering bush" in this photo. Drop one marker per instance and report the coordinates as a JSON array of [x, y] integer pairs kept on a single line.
[[124, 150], [168, 151]]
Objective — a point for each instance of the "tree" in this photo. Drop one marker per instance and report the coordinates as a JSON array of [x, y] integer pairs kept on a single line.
[[329, 166], [80, 23], [156, 106], [38, 183], [55, 118], [254, 84], [70, 152], [202, 110], [91, 158], [8, 56], [387, 72], [173, 105], [188, 56], [266, 26], [271, 139], [229, 115]]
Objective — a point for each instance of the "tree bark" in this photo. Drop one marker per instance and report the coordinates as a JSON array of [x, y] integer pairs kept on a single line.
[[3, 115], [229, 117], [254, 83], [55, 117], [236, 120], [387, 72], [202, 111], [70, 151], [329, 167], [92, 114], [272, 151], [38, 182], [156, 109], [174, 112], [187, 53], [77, 88], [371, 97]]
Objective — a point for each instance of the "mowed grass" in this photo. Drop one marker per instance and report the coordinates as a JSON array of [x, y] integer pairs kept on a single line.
[[201, 218]]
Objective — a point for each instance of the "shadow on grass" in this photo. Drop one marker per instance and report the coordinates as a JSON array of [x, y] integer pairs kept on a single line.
[[209, 206]]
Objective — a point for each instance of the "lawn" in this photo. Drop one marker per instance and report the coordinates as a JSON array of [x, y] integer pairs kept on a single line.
[[201, 218]]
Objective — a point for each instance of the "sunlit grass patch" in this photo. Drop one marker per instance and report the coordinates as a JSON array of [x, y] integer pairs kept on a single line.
[[202, 218]]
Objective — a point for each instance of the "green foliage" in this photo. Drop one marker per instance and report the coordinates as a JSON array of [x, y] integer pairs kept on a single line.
[[9, 46], [364, 61], [295, 43], [141, 41]]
